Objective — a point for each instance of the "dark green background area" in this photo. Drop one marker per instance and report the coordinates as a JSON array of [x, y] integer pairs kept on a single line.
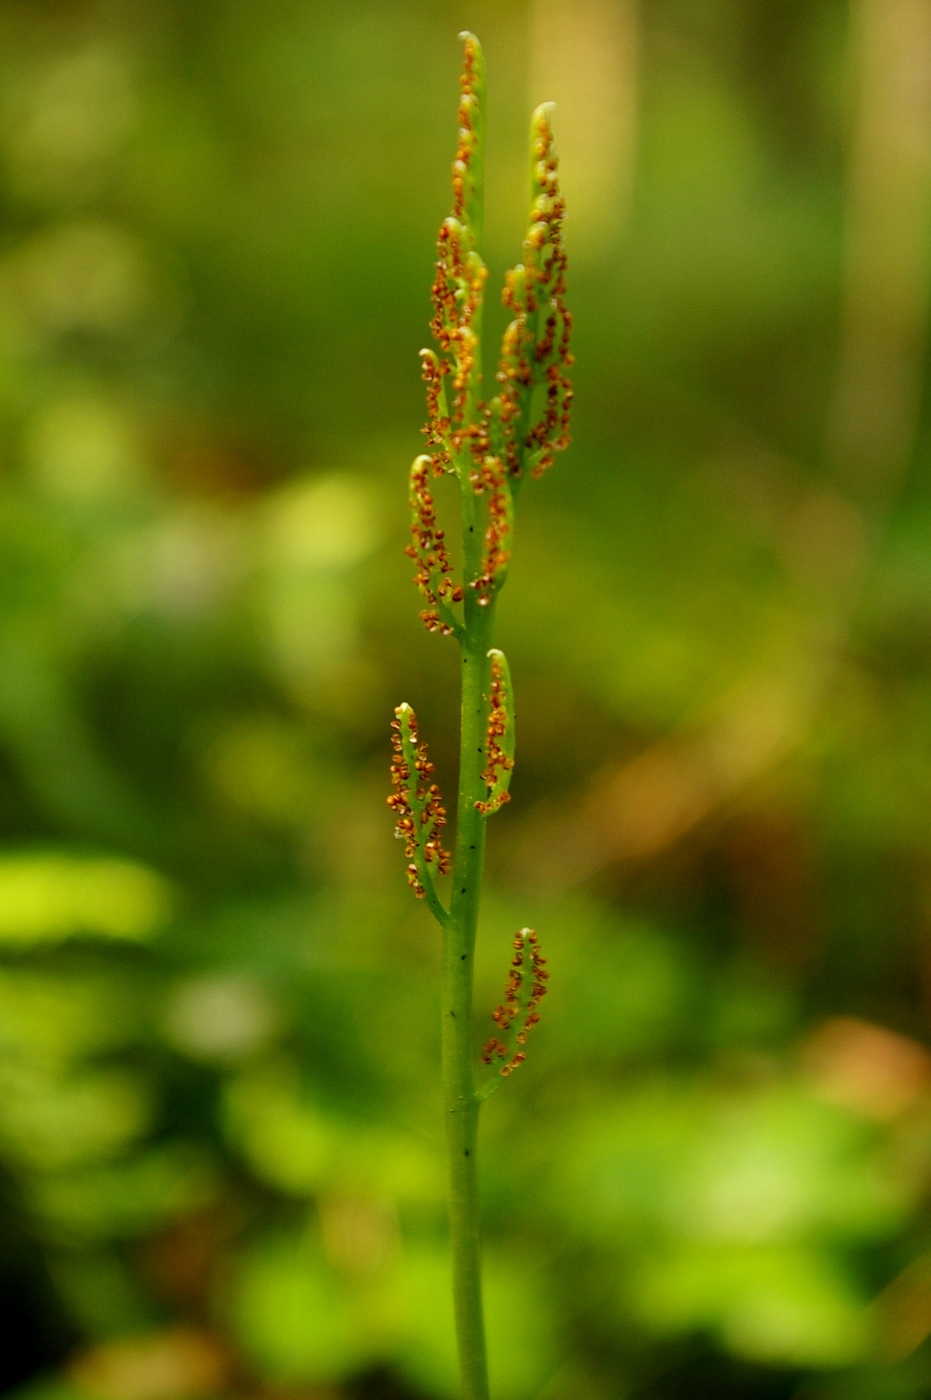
[[221, 1168]]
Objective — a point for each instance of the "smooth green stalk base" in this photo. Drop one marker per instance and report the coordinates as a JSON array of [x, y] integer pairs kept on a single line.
[[461, 1104]]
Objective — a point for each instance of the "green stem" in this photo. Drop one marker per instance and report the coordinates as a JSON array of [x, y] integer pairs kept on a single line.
[[460, 1101], [461, 1105]]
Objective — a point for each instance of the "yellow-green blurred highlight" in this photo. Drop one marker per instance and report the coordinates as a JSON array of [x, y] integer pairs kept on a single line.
[[220, 1133]]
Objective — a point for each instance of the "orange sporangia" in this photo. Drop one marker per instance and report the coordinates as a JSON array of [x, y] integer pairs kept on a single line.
[[535, 348], [457, 296], [430, 553], [459, 284], [498, 763], [518, 1013], [489, 477], [438, 424], [489, 446], [496, 443], [416, 801]]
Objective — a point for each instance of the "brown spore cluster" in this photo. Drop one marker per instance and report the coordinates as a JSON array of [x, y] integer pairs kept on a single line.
[[493, 443], [430, 552], [438, 425], [416, 801], [488, 476], [457, 289], [498, 762], [456, 295], [535, 348], [528, 963]]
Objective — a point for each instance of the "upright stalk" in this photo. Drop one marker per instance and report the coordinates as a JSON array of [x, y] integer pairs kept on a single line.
[[461, 1103], [490, 447]]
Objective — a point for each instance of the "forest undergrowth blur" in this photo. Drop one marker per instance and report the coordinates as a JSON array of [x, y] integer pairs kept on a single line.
[[221, 1167]]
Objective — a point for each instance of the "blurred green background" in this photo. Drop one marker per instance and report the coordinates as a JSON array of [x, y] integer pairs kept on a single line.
[[220, 1130]]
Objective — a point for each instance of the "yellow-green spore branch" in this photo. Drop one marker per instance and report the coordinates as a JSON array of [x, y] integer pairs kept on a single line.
[[499, 736]]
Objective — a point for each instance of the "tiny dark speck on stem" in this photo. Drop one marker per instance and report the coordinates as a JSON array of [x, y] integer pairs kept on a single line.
[[463, 957], [467, 1152]]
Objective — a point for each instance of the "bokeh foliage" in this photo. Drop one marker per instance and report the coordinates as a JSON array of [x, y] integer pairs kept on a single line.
[[219, 1111]]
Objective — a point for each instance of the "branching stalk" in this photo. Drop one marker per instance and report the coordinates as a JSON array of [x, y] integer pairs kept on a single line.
[[490, 446]]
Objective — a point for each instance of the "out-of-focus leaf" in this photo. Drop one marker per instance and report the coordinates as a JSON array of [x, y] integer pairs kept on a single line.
[[785, 1305], [296, 1146], [292, 1316], [624, 992], [53, 1122], [124, 1199], [45, 898], [52, 1020], [770, 1164]]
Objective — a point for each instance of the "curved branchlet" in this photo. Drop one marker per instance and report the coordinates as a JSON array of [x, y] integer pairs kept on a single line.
[[455, 430], [518, 1013], [419, 812], [489, 478], [430, 553], [454, 414], [535, 349], [439, 424], [499, 739], [457, 300]]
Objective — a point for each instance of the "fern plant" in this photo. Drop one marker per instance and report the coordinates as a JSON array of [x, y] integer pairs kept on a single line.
[[491, 445]]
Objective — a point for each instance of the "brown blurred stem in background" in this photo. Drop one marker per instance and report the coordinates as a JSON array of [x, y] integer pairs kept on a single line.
[[830, 531]]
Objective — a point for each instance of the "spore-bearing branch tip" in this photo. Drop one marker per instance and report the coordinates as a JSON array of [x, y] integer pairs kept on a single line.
[[499, 736], [518, 1013], [430, 553], [418, 807]]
